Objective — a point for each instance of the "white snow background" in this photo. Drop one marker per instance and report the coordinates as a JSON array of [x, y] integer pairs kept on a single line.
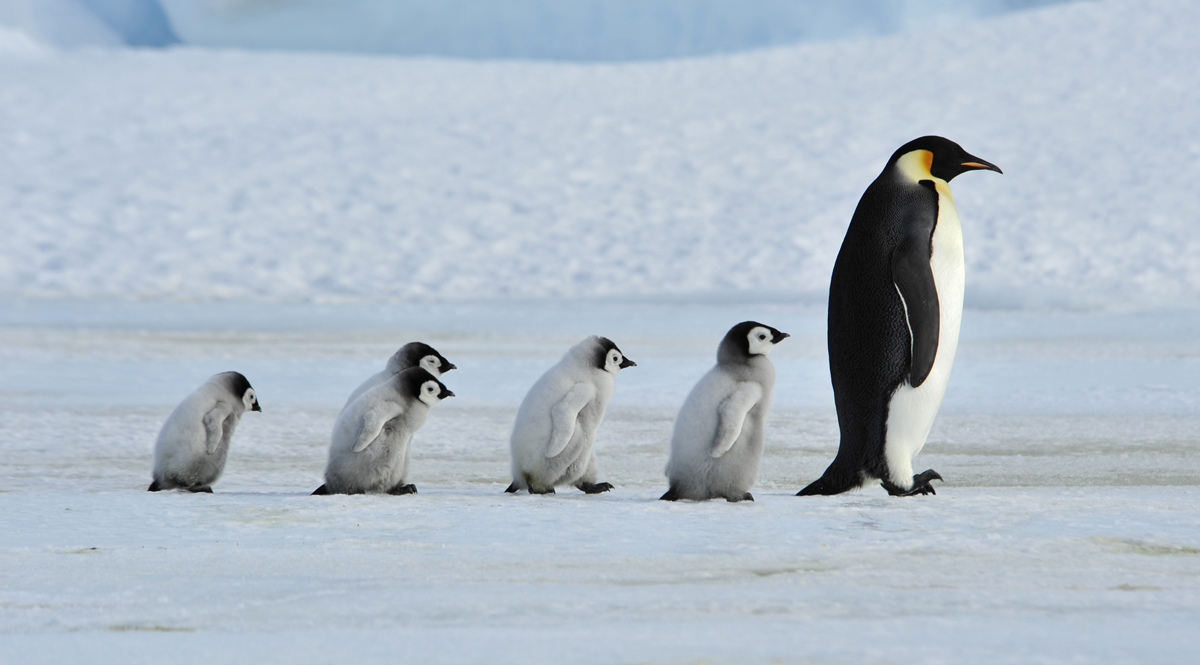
[[168, 214]]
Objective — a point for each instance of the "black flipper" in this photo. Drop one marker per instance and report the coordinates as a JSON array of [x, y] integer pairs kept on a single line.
[[512, 489], [913, 276], [154, 487], [399, 490], [594, 488], [671, 495], [320, 491]]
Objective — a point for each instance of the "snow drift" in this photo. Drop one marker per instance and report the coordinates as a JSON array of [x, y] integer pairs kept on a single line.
[[557, 29], [189, 174]]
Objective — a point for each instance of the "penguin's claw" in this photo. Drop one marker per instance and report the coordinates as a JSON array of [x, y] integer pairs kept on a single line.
[[595, 488]]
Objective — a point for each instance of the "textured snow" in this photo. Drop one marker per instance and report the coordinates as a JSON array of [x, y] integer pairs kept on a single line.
[[200, 175], [1066, 530]]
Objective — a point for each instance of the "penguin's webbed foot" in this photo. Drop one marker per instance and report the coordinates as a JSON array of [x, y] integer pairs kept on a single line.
[[534, 490], [745, 497], [154, 487], [512, 489], [671, 495], [201, 489], [399, 490], [920, 485], [594, 488], [321, 491]]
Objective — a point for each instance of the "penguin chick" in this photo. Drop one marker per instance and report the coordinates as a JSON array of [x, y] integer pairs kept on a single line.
[[413, 354], [194, 441], [717, 441], [556, 425], [895, 306], [370, 448]]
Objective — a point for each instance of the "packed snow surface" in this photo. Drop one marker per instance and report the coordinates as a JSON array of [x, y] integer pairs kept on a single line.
[[201, 175], [1066, 530]]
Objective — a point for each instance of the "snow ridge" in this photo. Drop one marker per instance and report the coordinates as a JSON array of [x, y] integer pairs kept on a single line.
[[201, 175]]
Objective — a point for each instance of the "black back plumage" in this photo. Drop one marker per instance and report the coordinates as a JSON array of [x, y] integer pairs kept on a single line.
[[869, 341], [874, 344]]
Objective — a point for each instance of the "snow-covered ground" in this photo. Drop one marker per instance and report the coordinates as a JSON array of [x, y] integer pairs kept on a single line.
[[169, 214], [1066, 530], [191, 174]]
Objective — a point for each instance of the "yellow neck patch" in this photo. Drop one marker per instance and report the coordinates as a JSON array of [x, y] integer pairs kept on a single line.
[[915, 166]]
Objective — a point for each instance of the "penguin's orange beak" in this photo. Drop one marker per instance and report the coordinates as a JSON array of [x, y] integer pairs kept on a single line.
[[979, 164]]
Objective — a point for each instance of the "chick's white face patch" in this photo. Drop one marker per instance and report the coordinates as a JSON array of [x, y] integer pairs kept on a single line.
[[430, 391], [432, 364], [612, 363], [249, 398], [761, 341]]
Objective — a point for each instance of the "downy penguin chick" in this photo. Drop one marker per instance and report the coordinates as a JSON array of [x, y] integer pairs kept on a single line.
[[413, 354], [370, 448], [194, 441], [895, 306], [552, 439], [717, 441]]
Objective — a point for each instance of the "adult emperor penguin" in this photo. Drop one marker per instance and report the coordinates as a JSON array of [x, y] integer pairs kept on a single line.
[[370, 448], [413, 354], [556, 425], [895, 304], [717, 441], [194, 441]]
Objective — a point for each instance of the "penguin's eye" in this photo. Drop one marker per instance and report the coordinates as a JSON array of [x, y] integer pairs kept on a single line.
[[762, 337]]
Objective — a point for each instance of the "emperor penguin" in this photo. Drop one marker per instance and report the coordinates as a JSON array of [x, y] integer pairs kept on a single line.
[[895, 305], [555, 429], [194, 441], [413, 354], [370, 448], [717, 440]]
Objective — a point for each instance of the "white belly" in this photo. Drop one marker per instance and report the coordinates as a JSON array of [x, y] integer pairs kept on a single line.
[[912, 410]]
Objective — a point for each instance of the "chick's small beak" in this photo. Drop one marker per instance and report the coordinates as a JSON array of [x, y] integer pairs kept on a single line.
[[256, 407], [782, 336], [627, 363], [449, 366]]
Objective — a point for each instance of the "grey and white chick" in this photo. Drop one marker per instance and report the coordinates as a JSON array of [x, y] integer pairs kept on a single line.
[[717, 441], [372, 436], [552, 439], [194, 441]]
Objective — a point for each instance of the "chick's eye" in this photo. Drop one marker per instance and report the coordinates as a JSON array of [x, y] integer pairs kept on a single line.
[[762, 336]]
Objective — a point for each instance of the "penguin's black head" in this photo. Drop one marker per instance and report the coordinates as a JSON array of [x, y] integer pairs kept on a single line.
[[748, 338], [420, 383], [420, 354], [240, 387], [940, 157], [609, 358]]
